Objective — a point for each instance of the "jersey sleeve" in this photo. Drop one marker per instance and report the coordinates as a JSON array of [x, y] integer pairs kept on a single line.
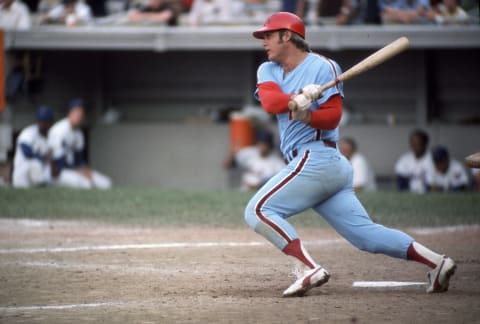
[[329, 70], [264, 74]]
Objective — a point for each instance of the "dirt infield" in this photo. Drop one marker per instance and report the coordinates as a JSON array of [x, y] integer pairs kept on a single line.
[[64, 272]]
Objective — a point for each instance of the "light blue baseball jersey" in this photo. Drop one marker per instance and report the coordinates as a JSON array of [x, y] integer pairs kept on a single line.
[[315, 69], [318, 177]]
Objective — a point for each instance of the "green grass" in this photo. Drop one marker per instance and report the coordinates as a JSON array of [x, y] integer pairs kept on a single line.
[[156, 207]]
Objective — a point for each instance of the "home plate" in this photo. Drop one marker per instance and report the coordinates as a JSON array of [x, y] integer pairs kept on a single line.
[[388, 284]]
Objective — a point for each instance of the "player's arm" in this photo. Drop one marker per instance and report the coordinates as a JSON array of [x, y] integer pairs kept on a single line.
[[327, 116], [272, 98]]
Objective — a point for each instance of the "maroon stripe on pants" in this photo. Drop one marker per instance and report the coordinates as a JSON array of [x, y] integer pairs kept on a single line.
[[268, 195]]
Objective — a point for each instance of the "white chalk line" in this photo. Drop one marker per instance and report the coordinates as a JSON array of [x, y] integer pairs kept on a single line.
[[387, 284], [156, 246], [53, 307]]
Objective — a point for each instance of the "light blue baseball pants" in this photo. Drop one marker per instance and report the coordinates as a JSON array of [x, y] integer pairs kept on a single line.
[[319, 177]]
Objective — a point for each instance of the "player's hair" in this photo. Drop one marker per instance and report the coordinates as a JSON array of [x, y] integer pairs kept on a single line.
[[296, 39], [352, 143], [421, 134]]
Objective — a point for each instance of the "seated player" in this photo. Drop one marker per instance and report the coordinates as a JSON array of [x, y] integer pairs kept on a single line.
[[412, 166], [363, 175], [31, 162], [447, 174], [258, 163], [67, 143]]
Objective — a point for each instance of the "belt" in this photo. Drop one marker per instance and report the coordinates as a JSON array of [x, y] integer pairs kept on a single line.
[[328, 143]]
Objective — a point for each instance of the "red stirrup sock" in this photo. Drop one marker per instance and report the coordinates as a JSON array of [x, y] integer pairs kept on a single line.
[[295, 249], [422, 254]]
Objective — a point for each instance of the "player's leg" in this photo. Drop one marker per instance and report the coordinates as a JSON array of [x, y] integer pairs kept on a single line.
[[345, 213], [37, 173], [304, 182], [20, 176], [100, 180], [73, 179], [294, 189]]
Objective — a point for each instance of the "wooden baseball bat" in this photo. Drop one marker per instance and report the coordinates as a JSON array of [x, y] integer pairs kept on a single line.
[[377, 58]]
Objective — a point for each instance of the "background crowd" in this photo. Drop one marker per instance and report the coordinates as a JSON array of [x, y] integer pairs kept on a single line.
[[420, 170], [24, 14]]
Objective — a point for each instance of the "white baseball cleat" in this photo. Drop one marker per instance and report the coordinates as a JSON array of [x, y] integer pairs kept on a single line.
[[311, 278], [439, 278]]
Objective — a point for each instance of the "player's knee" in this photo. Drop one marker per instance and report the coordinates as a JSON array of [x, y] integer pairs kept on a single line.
[[250, 216]]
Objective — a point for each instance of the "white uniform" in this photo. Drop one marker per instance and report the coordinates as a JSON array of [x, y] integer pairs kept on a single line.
[[257, 169], [66, 142], [363, 175], [455, 177], [30, 165], [410, 167]]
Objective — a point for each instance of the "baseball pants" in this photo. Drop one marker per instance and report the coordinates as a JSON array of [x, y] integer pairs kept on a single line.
[[74, 179], [319, 177], [31, 173]]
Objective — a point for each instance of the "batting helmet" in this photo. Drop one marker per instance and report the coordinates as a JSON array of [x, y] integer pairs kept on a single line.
[[282, 20]]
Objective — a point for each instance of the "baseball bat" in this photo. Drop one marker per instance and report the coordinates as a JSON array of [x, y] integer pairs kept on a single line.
[[377, 58]]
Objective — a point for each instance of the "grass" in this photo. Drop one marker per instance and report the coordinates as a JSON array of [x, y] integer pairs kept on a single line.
[[156, 207]]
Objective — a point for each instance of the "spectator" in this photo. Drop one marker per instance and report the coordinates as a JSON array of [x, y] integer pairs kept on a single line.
[[412, 166], [298, 7], [14, 15], [333, 11], [258, 163], [67, 143], [449, 12], [31, 164], [206, 12], [363, 175], [447, 174], [70, 13], [406, 11], [354, 12], [156, 12]]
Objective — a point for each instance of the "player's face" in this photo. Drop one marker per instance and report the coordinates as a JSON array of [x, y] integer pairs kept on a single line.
[[346, 149], [274, 46], [264, 149], [44, 126], [76, 116], [442, 166], [418, 146]]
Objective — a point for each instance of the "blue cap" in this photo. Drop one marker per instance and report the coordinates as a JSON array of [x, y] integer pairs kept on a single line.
[[77, 102], [264, 136], [44, 113], [440, 153]]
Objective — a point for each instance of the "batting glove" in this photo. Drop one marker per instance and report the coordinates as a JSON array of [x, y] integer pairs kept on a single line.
[[312, 92]]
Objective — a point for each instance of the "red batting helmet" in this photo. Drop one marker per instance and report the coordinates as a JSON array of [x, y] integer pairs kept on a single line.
[[282, 20]]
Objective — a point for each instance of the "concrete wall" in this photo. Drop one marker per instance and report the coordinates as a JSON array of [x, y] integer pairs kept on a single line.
[[186, 156], [189, 156]]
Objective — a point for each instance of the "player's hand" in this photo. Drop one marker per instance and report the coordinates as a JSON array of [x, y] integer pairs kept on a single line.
[[304, 116], [312, 92], [299, 102]]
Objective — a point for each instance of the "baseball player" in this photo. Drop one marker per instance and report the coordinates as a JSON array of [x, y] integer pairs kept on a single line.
[[317, 176], [412, 166], [67, 144], [31, 164]]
